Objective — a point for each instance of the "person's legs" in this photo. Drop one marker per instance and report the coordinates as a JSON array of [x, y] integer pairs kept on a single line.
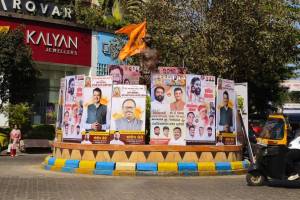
[[292, 156]]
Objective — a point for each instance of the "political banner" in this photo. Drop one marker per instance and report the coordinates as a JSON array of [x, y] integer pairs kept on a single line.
[[124, 74], [226, 112], [128, 114], [61, 102], [241, 90], [96, 110], [200, 109], [167, 109], [172, 70], [73, 108]]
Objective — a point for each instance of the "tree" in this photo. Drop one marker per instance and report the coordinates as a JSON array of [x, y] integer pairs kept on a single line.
[[247, 41], [18, 114], [17, 73]]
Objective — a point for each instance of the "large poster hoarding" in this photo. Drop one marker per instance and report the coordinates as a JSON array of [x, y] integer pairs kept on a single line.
[[226, 112], [96, 110], [167, 109], [200, 109], [241, 90], [124, 74], [73, 108], [128, 114], [61, 102]]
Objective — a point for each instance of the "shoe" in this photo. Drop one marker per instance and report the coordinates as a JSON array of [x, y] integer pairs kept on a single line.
[[293, 177]]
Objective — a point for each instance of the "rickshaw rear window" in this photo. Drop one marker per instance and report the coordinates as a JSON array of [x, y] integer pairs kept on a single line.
[[273, 129]]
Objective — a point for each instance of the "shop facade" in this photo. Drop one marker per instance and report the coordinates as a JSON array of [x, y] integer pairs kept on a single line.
[[59, 48]]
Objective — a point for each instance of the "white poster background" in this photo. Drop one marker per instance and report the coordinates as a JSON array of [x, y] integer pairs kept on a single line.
[[241, 90]]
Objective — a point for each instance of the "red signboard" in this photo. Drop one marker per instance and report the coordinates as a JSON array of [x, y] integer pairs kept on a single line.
[[55, 43]]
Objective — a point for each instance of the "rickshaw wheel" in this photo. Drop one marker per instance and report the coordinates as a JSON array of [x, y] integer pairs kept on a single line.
[[255, 179]]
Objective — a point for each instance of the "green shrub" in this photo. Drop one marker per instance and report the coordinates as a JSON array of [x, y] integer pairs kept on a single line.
[[5, 131], [42, 131], [3, 141]]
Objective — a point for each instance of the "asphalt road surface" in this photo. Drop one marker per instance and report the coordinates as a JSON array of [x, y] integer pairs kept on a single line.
[[23, 178]]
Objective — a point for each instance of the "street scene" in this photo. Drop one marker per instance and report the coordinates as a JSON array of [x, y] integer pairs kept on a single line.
[[23, 178], [149, 99]]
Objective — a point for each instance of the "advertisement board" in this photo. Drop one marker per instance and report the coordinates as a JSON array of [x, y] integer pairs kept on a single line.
[[96, 110], [200, 109], [226, 112], [124, 74], [167, 109], [128, 114], [55, 43]]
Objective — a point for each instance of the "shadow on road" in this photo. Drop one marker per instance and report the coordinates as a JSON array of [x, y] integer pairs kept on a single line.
[[286, 184]]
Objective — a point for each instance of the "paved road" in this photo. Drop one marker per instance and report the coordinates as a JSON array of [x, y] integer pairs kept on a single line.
[[22, 178]]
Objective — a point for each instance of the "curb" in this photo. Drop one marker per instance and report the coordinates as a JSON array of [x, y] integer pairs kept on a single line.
[[146, 169]]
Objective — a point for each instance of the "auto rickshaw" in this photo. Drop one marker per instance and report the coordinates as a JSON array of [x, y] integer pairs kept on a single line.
[[270, 152]]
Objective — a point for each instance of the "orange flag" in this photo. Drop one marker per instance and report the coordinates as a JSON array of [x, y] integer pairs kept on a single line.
[[4, 29], [135, 44]]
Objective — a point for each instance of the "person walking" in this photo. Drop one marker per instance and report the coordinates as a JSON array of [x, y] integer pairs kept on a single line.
[[15, 137]]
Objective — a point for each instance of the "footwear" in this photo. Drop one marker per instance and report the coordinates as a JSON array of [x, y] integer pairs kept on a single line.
[[293, 177]]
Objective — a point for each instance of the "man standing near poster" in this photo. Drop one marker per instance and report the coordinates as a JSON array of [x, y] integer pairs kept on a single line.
[[159, 103], [129, 122], [178, 105], [96, 113], [226, 112]]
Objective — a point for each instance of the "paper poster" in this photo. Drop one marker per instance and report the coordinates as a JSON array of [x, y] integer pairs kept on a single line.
[[172, 70], [226, 112], [124, 74], [61, 102], [167, 109], [200, 109], [241, 90], [96, 110], [73, 108], [128, 114]]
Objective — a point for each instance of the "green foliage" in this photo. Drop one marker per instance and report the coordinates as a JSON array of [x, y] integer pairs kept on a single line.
[[42, 131], [148, 105], [3, 141], [240, 40], [16, 66], [18, 114], [110, 14]]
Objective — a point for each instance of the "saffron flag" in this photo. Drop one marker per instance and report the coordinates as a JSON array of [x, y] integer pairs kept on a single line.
[[4, 29], [135, 44]]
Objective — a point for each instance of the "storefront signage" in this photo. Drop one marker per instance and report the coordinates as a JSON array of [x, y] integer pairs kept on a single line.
[[55, 43], [36, 7]]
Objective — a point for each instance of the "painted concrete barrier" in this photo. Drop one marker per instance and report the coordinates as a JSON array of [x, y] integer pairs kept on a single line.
[[146, 169]]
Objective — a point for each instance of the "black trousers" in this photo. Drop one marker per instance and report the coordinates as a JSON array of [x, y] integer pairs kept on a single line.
[[292, 156]]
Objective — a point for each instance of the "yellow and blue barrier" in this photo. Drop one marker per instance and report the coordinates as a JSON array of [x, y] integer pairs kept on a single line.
[[146, 169]]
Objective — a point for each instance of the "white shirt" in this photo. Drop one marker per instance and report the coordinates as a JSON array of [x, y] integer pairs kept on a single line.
[[176, 142], [159, 106], [295, 143], [86, 142], [116, 142]]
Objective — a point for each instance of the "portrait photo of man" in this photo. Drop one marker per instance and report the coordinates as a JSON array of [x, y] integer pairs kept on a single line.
[[195, 95], [117, 74], [159, 103], [156, 132], [178, 105], [166, 131], [116, 139], [96, 113], [226, 113], [129, 121], [177, 139], [71, 89], [190, 119]]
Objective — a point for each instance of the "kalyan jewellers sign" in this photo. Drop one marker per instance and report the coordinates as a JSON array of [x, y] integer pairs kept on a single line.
[[36, 7], [53, 42]]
